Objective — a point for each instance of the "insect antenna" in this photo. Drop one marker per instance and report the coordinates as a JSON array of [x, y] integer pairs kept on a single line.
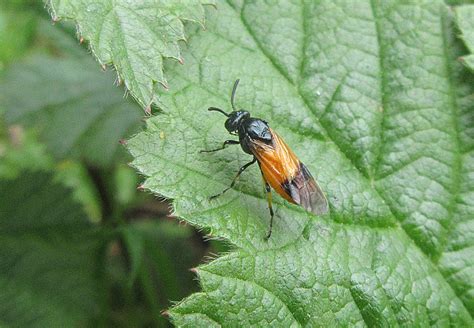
[[233, 93], [215, 109]]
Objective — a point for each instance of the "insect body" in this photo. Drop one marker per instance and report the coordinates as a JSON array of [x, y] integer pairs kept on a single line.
[[280, 168]]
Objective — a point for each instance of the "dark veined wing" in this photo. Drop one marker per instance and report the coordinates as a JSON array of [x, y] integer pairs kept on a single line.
[[287, 175], [305, 191]]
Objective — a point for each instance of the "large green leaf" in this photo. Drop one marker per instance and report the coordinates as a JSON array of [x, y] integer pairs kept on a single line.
[[370, 96], [465, 21], [134, 36], [75, 106], [49, 256]]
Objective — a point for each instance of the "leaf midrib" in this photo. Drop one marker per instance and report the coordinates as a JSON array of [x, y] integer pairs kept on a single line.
[[383, 96], [456, 169]]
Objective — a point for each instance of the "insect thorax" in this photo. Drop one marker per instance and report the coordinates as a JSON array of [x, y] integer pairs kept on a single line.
[[253, 129]]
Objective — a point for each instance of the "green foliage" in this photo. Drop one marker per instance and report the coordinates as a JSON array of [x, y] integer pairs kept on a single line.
[[75, 176], [20, 150], [153, 246], [16, 32], [370, 96], [133, 36], [49, 255], [74, 106], [465, 20], [160, 254], [55, 268], [125, 181]]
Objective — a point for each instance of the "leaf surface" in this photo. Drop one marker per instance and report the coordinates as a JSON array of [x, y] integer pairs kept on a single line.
[[134, 36], [371, 98]]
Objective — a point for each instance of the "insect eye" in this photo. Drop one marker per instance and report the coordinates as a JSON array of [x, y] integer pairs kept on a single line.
[[231, 125]]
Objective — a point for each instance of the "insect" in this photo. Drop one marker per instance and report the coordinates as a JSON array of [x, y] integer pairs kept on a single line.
[[280, 168]]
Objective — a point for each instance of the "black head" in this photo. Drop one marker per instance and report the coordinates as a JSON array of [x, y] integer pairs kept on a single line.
[[236, 117]]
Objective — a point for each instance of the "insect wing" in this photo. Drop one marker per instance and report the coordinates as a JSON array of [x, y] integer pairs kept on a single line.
[[277, 163], [304, 190], [287, 175]]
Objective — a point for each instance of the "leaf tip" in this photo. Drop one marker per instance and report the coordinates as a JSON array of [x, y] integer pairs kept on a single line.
[[123, 142], [165, 313], [164, 85], [181, 60], [194, 270], [148, 110], [81, 40], [141, 187]]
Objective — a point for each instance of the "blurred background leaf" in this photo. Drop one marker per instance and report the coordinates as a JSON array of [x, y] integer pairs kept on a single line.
[[61, 113], [75, 107], [20, 150], [17, 28], [50, 255], [154, 272]]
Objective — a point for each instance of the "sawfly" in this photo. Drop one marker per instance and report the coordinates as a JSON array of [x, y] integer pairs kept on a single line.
[[280, 168]]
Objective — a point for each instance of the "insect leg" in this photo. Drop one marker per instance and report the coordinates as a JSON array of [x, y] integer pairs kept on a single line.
[[269, 201], [270, 208], [227, 142], [242, 169]]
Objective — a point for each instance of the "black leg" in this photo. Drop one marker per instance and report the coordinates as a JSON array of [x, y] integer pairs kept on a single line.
[[227, 142], [242, 169], [269, 200]]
